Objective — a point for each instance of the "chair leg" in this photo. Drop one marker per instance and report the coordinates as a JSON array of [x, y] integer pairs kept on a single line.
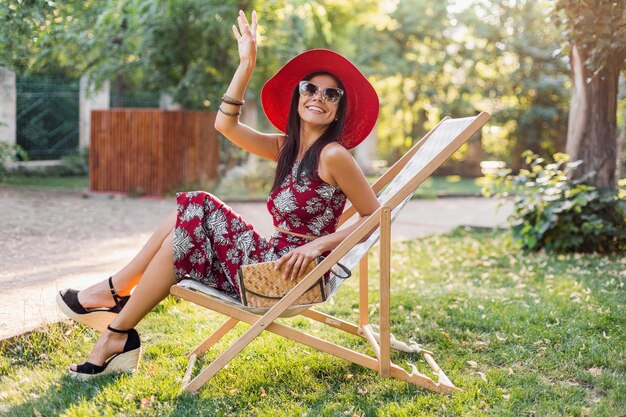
[[443, 378], [410, 347], [206, 345], [385, 291], [417, 378], [189, 370]]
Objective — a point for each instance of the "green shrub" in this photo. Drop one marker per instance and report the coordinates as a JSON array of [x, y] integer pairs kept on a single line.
[[253, 179], [75, 164], [10, 153], [556, 213]]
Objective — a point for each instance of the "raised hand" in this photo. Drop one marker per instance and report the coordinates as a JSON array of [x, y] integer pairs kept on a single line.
[[246, 37]]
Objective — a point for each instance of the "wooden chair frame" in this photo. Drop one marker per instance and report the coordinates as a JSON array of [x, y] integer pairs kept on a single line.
[[382, 342]]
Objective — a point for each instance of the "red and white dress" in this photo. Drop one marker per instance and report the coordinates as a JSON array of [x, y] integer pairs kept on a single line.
[[211, 241]]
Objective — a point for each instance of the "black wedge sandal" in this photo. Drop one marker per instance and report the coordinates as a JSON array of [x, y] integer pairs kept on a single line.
[[97, 318], [125, 361]]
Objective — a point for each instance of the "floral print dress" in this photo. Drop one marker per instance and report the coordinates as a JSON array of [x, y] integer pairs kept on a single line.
[[211, 241]]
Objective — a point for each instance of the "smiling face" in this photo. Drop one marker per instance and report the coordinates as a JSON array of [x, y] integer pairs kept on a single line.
[[314, 110]]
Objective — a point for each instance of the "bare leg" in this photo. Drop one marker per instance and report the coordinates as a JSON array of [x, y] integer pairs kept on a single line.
[[155, 286], [99, 295]]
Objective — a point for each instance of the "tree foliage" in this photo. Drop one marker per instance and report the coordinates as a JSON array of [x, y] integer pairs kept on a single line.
[[21, 26], [426, 59], [532, 91], [432, 59], [597, 26]]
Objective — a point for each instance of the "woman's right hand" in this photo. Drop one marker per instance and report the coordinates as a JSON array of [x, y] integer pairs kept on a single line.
[[246, 37]]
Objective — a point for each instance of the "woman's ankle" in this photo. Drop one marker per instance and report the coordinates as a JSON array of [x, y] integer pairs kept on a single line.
[[120, 286], [96, 296]]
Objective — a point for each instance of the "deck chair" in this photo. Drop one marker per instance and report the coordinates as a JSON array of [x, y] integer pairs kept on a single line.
[[395, 189]]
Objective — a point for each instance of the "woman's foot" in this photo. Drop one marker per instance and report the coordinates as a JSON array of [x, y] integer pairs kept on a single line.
[[116, 351], [95, 306]]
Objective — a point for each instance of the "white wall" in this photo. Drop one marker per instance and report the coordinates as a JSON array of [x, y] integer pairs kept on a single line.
[[365, 153], [8, 100], [166, 102], [91, 100]]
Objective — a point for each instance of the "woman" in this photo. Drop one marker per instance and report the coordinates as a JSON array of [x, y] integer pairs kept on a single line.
[[325, 106]]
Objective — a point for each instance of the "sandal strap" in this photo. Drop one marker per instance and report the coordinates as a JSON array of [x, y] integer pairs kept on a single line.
[[119, 300], [132, 341], [89, 368], [114, 330]]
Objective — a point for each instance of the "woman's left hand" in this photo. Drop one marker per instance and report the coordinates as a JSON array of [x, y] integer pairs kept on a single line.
[[246, 37], [296, 261]]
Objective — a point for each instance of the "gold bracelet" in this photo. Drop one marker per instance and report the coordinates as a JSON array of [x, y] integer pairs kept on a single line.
[[227, 113], [229, 100]]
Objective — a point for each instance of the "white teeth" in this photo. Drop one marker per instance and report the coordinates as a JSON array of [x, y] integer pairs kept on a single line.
[[315, 109]]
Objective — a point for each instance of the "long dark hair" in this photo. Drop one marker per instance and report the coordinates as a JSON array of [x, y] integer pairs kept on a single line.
[[289, 151]]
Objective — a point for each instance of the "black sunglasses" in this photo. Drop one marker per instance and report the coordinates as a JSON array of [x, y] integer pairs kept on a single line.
[[308, 89]]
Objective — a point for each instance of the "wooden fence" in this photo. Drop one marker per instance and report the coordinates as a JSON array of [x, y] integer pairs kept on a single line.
[[151, 151]]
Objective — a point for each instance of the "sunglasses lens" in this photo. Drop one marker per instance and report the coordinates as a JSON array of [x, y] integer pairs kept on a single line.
[[332, 94], [307, 89]]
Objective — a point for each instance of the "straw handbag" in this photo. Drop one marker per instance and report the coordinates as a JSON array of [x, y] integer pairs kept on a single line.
[[260, 285]]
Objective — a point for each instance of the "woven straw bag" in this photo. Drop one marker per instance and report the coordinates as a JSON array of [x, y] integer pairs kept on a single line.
[[260, 285]]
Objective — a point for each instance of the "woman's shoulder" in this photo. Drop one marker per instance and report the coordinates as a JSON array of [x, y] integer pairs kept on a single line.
[[335, 161], [335, 152]]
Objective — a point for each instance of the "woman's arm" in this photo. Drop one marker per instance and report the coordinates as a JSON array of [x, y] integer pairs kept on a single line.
[[261, 144], [337, 167]]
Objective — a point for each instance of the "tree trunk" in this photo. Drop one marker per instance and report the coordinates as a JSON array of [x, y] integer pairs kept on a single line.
[[517, 161], [475, 155], [620, 148], [417, 127], [592, 127]]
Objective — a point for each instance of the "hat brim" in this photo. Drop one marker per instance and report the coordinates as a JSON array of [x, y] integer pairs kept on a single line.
[[362, 103]]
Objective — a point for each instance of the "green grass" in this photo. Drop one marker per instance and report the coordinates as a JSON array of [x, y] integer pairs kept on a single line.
[[522, 334], [435, 187], [67, 183]]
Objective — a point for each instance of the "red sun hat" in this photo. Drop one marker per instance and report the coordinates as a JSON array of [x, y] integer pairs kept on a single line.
[[362, 101]]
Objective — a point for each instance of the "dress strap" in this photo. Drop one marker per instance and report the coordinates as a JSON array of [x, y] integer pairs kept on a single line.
[[287, 232]]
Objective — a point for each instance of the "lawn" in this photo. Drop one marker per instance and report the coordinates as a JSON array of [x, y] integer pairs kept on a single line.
[[451, 185], [522, 335], [66, 183]]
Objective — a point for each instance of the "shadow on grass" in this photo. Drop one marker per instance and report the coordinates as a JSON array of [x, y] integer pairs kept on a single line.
[[312, 383], [53, 401], [283, 396], [34, 366]]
